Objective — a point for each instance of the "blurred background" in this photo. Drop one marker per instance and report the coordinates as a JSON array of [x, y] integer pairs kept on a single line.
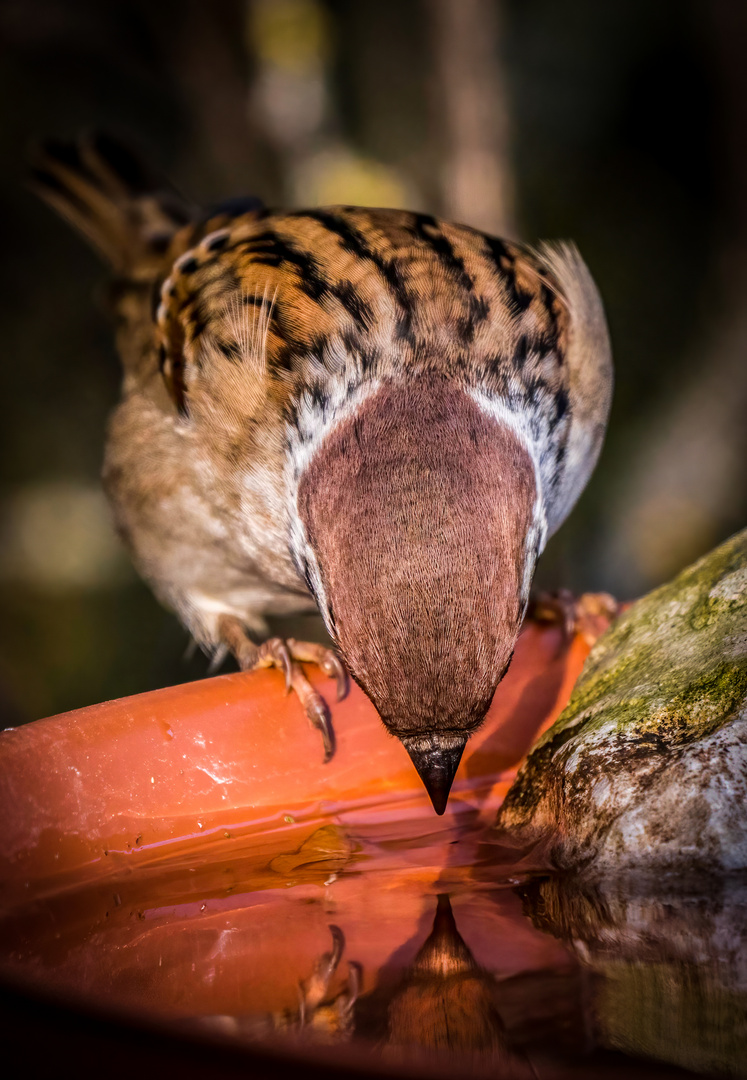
[[621, 125]]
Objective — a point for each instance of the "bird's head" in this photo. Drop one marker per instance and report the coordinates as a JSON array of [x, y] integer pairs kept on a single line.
[[419, 514]]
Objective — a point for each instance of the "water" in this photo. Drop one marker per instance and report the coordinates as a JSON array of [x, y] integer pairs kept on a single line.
[[409, 939]]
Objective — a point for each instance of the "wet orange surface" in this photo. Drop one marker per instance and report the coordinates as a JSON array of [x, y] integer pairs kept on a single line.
[[172, 772], [185, 855]]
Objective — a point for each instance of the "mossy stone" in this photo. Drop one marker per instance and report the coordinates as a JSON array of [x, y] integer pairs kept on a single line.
[[646, 768]]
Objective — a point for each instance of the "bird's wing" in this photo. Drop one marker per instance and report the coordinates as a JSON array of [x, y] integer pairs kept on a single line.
[[590, 374]]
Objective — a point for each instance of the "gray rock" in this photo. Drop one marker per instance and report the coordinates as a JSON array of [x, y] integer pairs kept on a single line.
[[646, 769]]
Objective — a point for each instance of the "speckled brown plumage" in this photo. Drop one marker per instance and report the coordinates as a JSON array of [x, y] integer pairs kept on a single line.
[[370, 411]]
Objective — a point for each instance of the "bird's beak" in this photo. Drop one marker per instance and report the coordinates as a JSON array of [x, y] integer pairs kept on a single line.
[[436, 757]]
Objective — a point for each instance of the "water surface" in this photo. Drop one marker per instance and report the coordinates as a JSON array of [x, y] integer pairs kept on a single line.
[[409, 939]]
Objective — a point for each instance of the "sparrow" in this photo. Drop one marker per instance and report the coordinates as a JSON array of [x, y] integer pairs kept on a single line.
[[370, 412], [445, 1001]]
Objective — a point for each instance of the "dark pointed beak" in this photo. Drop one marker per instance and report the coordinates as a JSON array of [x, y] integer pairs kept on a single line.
[[436, 757]]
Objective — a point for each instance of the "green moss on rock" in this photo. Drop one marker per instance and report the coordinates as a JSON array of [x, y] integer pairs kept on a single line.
[[647, 766]]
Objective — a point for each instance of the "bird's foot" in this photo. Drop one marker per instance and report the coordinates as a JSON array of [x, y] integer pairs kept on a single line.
[[288, 655], [313, 992], [588, 615], [314, 989]]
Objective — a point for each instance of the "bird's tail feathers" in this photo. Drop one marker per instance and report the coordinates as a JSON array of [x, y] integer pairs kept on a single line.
[[126, 211]]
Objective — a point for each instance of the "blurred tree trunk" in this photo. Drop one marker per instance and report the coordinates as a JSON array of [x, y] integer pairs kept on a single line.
[[477, 174]]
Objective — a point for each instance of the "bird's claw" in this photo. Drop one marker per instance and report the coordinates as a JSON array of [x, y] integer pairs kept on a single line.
[[333, 668], [318, 713], [288, 655], [316, 1006], [274, 653], [326, 659], [355, 979], [313, 703]]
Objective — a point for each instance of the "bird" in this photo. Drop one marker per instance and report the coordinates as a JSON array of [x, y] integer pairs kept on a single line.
[[443, 1002], [372, 413]]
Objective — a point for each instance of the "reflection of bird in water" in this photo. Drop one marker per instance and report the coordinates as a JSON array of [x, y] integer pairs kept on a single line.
[[444, 1002], [324, 1019], [319, 1018], [448, 1003]]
